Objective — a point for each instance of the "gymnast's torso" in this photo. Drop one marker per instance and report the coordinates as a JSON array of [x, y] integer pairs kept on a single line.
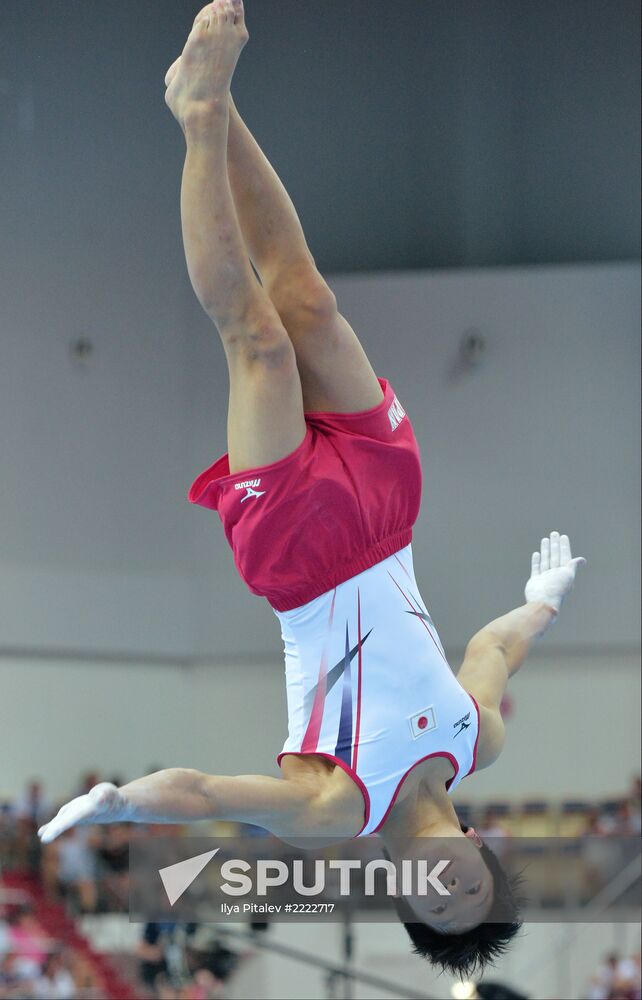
[[369, 687], [325, 535]]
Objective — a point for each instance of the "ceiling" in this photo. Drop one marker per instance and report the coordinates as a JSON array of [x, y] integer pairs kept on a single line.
[[428, 133]]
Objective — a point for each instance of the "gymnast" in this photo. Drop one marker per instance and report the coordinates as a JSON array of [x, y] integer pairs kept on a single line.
[[318, 494]]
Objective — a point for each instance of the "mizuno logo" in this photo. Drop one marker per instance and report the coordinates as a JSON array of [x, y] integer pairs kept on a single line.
[[249, 485], [463, 723], [252, 493]]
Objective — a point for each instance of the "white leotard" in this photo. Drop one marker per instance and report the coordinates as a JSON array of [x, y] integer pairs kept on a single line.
[[369, 686]]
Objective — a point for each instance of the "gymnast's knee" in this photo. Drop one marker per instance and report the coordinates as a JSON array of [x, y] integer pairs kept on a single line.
[[304, 300]]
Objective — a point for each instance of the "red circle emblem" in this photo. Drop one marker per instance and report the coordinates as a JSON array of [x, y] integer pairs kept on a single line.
[[422, 722]]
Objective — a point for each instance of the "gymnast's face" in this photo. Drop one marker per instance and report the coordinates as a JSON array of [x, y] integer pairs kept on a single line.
[[467, 879]]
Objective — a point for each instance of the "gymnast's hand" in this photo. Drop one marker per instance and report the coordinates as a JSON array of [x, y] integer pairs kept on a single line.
[[103, 804], [552, 571]]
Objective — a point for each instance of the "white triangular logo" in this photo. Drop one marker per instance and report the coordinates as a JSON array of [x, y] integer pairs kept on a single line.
[[178, 878]]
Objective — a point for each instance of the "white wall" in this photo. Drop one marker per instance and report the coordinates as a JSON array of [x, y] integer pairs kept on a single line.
[[93, 532], [59, 719], [99, 551], [575, 729]]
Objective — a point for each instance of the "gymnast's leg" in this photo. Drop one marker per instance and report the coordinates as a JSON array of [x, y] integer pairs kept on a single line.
[[265, 418], [335, 372]]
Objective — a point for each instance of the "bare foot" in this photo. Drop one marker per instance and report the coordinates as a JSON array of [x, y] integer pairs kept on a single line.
[[201, 76], [103, 804]]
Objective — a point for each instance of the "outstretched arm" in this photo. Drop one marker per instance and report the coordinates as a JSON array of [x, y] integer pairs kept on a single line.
[[181, 795], [497, 652]]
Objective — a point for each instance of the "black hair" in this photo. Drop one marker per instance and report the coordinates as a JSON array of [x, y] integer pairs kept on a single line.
[[468, 953]]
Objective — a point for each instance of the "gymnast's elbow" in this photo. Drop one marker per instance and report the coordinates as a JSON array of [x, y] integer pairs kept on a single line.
[[485, 643]]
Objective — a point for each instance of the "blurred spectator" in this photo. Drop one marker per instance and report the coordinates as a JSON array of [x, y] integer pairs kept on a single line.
[[55, 981], [87, 782], [15, 980], [186, 962], [205, 953], [26, 937], [598, 824], [4, 932], [205, 986], [69, 869], [621, 819], [7, 974], [617, 978], [626, 822], [113, 854], [32, 806], [151, 952], [493, 832], [635, 804], [30, 810], [7, 832], [33, 966], [491, 826]]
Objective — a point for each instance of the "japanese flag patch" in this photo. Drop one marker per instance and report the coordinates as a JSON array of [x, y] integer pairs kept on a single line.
[[422, 722]]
